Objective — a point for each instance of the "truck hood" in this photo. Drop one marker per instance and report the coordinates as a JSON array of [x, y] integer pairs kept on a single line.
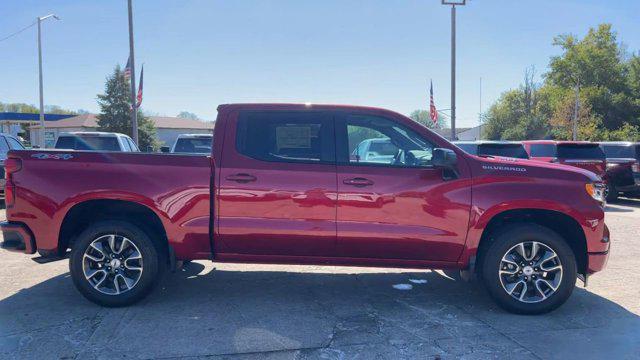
[[533, 168]]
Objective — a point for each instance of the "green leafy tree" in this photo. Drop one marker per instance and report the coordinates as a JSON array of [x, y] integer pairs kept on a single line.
[[115, 112], [188, 115], [424, 117], [609, 92]]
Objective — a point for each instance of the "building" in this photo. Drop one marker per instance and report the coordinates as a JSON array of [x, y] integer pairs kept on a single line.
[[463, 134], [168, 128], [12, 122]]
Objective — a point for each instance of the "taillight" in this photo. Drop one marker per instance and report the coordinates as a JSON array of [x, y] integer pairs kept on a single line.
[[11, 166], [635, 167]]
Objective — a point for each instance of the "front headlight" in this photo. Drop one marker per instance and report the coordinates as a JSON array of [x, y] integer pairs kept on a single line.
[[597, 191]]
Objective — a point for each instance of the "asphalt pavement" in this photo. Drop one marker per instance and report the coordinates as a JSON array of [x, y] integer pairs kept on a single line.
[[229, 311]]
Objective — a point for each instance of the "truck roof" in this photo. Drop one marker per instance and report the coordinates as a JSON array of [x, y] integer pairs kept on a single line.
[[295, 106], [91, 133]]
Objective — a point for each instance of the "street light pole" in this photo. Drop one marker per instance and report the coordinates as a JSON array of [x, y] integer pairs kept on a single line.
[[41, 141], [453, 4], [134, 108], [453, 72]]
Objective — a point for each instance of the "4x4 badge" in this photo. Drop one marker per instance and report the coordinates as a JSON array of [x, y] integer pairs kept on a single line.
[[43, 156]]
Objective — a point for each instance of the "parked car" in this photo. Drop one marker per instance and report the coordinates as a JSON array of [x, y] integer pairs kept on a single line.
[[96, 141], [582, 154], [623, 168], [193, 144], [7, 142], [507, 149], [282, 187], [382, 150]]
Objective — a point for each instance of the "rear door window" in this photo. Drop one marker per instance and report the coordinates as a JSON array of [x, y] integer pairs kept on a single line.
[[304, 137], [580, 152]]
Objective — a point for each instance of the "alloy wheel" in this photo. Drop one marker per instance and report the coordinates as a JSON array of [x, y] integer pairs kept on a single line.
[[112, 264], [530, 272]]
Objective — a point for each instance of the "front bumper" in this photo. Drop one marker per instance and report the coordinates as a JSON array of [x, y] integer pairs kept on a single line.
[[17, 237], [597, 261]]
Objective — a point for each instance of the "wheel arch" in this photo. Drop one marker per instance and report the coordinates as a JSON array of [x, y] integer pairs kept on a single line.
[[80, 215], [562, 223]]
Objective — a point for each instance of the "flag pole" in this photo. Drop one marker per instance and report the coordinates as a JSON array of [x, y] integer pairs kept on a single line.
[[134, 108]]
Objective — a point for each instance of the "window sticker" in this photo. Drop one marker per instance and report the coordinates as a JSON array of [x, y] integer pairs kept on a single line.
[[293, 137]]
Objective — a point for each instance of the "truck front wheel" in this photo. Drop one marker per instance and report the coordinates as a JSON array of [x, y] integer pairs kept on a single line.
[[114, 263], [529, 269]]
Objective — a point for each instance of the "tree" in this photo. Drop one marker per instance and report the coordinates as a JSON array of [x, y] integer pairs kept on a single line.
[[609, 91], [188, 115], [115, 112], [423, 117], [519, 113]]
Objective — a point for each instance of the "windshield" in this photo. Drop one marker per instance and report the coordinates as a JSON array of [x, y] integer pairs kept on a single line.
[[193, 145], [580, 151], [506, 150], [621, 151]]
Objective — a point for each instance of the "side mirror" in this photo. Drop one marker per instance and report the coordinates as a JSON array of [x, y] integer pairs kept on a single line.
[[447, 160], [164, 149], [444, 158]]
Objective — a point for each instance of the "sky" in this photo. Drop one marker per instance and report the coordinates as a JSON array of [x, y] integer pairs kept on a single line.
[[201, 53]]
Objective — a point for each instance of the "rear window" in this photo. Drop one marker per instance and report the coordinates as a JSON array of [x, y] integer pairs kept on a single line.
[[505, 150], [622, 151], [580, 151], [543, 150], [193, 145], [95, 143]]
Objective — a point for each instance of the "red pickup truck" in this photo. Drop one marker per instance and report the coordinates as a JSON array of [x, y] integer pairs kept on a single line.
[[285, 185]]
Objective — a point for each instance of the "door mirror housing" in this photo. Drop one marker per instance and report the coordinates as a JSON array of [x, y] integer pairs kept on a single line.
[[444, 158], [165, 149]]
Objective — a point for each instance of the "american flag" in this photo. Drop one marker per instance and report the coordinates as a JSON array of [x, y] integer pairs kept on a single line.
[[433, 113], [127, 70], [139, 97]]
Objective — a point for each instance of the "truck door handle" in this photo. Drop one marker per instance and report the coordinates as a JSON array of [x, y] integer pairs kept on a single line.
[[358, 181], [241, 178]]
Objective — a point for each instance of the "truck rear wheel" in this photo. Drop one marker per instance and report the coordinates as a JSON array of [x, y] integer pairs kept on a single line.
[[529, 269], [115, 263]]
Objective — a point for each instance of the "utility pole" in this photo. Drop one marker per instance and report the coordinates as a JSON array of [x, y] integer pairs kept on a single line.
[[480, 113], [41, 140], [134, 108], [576, 110], [453, 4]]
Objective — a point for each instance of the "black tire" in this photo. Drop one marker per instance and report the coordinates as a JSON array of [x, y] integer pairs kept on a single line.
[[153, 264], [612, 193], [506, 240]]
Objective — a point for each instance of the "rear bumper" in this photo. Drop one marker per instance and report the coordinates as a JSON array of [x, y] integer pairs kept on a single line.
[[17, 237]]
